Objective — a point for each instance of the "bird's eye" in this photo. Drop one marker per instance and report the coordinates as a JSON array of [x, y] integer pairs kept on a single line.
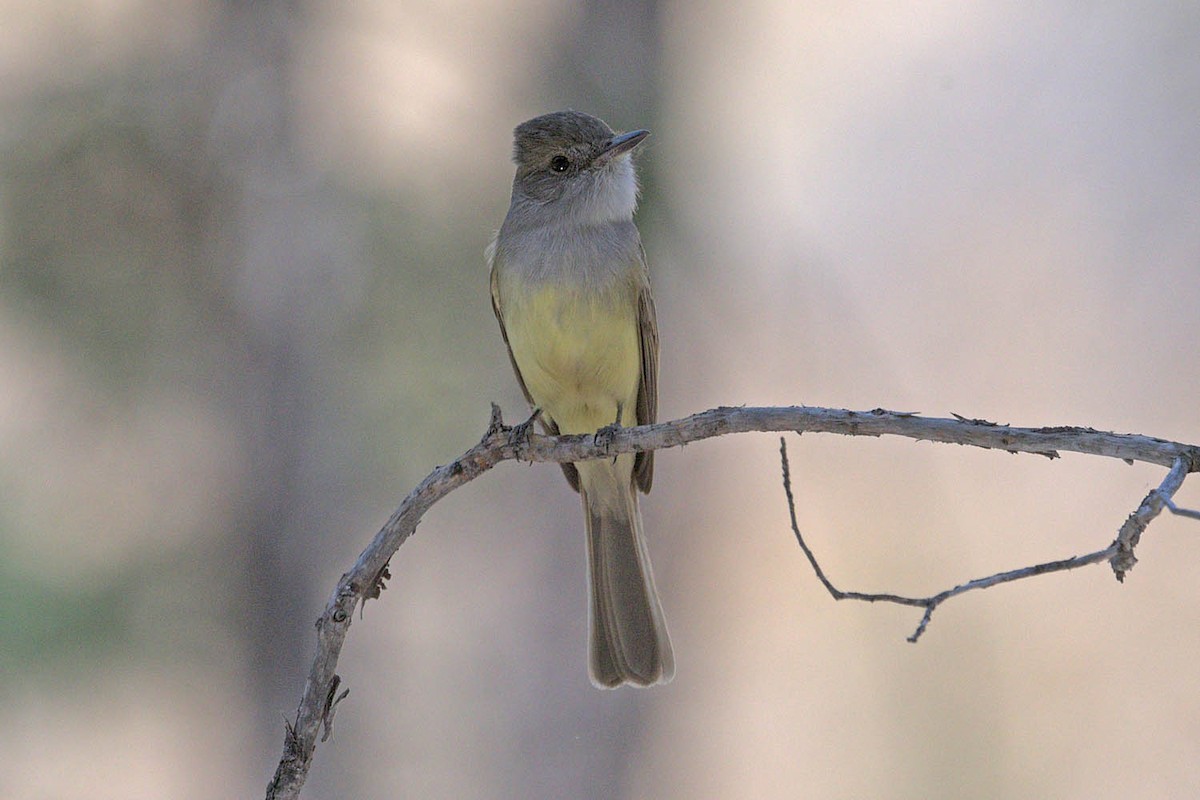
[[560, 163]]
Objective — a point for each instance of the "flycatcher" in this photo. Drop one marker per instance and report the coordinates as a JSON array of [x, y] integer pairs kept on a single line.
[[571, 290]]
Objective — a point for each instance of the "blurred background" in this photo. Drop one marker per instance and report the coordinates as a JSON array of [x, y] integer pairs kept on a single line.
[[244, 309]]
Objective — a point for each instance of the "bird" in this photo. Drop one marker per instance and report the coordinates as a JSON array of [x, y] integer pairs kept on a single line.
[[571, 290]]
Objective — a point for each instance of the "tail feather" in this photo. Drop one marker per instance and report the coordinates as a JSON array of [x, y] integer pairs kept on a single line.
[[628, 636]]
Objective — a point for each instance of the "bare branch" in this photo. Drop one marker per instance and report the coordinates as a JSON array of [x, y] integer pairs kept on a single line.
[[1047, 442], [366, 578], [1119, 554]]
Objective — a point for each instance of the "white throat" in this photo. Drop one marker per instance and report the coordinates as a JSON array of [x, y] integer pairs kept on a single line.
[[614, 194]]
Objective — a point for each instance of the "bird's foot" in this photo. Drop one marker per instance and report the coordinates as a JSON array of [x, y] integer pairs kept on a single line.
[[604, 437], [518, 435]]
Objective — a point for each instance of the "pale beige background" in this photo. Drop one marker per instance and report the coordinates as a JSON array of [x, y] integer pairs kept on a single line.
[[243, 309]]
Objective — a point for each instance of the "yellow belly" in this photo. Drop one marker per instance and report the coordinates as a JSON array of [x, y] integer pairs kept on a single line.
[[579, 355]]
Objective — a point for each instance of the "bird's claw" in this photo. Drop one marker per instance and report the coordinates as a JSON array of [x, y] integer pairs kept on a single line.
[[518, 435], [604, 436]]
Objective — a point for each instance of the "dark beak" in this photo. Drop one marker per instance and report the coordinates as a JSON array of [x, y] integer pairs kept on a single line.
[[621, 143]]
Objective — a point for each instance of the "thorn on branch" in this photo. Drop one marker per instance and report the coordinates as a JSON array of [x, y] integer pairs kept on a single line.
[[331, 701], [495, 424], [290, 738], [983, 422]]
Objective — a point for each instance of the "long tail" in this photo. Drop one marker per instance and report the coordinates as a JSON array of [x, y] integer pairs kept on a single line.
[[628, 640]]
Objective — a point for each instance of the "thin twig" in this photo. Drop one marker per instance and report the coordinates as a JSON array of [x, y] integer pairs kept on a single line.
[[1120, 552], [1183, 512]]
